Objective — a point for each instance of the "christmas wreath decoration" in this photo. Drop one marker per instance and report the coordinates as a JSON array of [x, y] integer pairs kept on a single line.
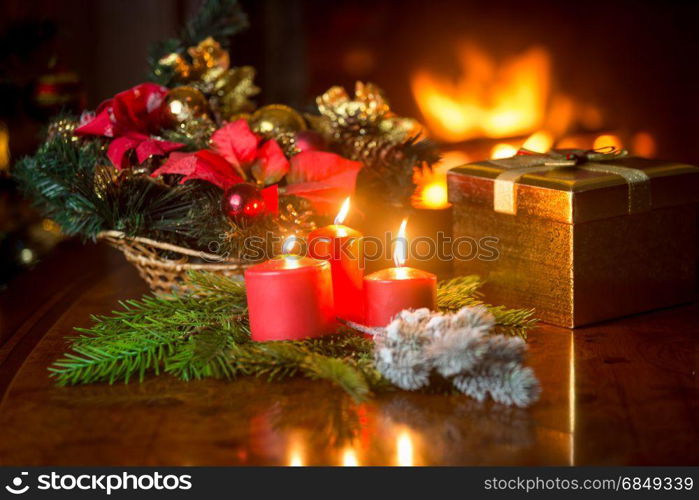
[[178, 171]]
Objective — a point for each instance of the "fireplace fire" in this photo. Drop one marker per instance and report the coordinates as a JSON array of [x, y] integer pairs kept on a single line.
[[492, 108], [487, 99]]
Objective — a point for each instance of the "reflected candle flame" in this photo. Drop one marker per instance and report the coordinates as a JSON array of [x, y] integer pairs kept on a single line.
[[295, 457], [349, 458], [342, 214], [289, 244], [404, 450], [400, 251]]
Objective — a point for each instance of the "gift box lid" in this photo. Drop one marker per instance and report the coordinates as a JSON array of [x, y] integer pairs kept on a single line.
[[574, 188]]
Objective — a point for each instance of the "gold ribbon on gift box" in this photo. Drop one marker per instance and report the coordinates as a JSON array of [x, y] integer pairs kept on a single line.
[[597, 160]]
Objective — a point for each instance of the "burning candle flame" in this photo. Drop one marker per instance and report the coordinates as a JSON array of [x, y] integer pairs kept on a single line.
[[400, 251], [342, 214]]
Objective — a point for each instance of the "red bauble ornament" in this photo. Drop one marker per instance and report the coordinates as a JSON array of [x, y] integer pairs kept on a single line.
[[308, 140], [243, 203]]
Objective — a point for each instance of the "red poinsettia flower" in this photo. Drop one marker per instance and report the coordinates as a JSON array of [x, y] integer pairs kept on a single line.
[[323, 178], [238, 154], [131, 117]]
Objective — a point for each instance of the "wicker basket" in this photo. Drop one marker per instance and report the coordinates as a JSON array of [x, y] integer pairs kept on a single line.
[[165, 276]]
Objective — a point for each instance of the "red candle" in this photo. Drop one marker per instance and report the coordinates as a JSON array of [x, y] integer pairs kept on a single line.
[[389, 291], [289, 298], [341, 246]]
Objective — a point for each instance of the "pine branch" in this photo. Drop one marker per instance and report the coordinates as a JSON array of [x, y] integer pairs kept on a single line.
[[206, 334], [455, 293], [63, 181], [512, 321], [219, 19], [463, 291], [154, 333], [60, 181], [204, 355], [116, 358], [277, 360]]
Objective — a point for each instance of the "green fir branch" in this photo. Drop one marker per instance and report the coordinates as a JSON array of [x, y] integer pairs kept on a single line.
[[206, 334], [123, 357], [203, 355], [219, 19], [463, 291], [278, 360], [62, 181], [455, 293]]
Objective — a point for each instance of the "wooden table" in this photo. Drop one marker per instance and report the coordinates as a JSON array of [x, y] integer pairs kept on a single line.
[[624, 392]]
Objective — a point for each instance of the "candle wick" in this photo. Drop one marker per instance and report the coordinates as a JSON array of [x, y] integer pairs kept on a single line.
[[369, 330]]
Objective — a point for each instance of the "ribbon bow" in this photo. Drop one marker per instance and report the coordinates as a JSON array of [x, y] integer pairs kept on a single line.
[[592, 160]]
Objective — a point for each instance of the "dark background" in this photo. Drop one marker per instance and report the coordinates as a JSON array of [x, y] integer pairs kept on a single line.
[[637, 60]]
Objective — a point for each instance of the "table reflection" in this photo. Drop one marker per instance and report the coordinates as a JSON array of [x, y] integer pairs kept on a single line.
[[306, 423], [404, 449]]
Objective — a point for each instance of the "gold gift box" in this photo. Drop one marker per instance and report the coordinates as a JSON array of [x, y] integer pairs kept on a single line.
[[579, 245]]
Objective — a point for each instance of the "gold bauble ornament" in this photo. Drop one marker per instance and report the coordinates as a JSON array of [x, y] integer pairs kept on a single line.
[[183, 104], [276, 119]]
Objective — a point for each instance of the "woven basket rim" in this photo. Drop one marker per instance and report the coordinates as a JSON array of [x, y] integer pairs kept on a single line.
[[133, 248]]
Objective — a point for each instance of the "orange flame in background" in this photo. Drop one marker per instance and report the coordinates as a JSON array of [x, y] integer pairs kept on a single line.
[[488, 100], [510, 100], [607, 140]]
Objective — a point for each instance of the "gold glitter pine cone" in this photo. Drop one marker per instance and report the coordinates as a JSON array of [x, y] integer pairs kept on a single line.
[[366, 109]]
